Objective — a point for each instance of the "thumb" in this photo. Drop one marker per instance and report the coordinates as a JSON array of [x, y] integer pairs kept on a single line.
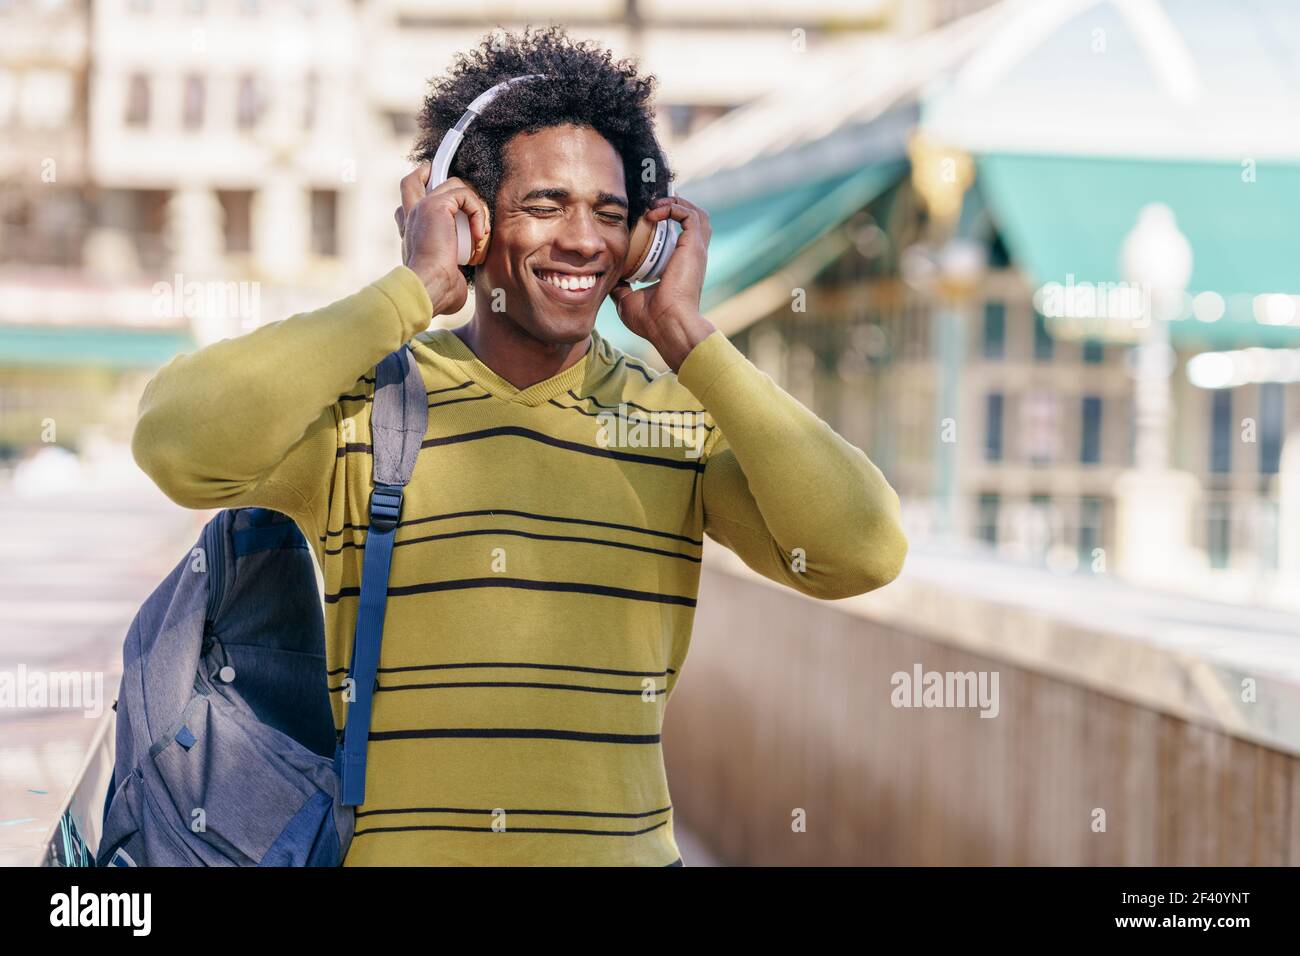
[[620, 294]]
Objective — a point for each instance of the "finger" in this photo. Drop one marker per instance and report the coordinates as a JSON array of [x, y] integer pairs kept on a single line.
[[461, 197], [694, 226], [475, 209], [685, 269], [413, 185], [400, 215], [679, 201]]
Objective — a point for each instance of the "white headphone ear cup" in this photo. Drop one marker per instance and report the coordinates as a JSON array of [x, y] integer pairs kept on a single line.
[[660, 251], [670, 244], [463, 238]]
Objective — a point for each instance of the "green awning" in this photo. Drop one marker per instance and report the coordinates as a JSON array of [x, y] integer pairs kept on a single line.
[[754, 238], [60, 347], [1069, 215]]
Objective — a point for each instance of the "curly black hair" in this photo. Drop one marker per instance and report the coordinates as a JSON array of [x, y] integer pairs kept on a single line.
[[586, 88]]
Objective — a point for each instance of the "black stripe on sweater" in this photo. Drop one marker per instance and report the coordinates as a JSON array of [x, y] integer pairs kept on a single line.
[[634, 366], [623, 833], [494, 664], [524, 514], [512, 733], [436, 391], [632, 421], [456, 401], [542, 813], [515, 431], [654, 411], [629, 691], [523, 534], [523, 584]]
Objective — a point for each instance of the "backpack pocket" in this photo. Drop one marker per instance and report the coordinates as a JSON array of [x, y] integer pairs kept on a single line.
[[135, 834], [242, 789]]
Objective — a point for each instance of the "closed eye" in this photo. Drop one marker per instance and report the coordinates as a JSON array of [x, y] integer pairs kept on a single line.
[[612, 218]]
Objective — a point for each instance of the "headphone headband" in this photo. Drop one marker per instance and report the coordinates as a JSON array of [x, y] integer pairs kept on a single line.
[[441, 165]]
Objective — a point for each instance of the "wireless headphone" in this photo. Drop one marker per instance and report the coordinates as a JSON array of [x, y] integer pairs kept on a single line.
[[651, 244]]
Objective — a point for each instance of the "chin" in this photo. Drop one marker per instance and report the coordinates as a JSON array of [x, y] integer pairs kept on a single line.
[[559, 329]]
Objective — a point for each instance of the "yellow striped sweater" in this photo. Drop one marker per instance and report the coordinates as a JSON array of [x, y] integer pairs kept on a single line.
[[546, 566]]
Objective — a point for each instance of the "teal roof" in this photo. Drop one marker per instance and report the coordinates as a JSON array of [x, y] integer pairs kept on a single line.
[[63, 347], [753, 238], [1066, 215]]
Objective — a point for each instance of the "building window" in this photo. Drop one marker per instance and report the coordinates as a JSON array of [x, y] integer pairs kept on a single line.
[[1038, 426], [1094, 353], [987, 530], [1221, 430], [324, 222], [250, 102], [1089, 530], [680, 116], [137, 100], [1271, 395], [237, 204], [995, 330], [1043, 341], [1266, 533], [401, 123], [1090, 447], [993, 427], [195, 100], [1040, 525], [1217, 532]]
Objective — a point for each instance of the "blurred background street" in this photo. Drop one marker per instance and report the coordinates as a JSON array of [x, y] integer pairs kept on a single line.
[[1036, 259]]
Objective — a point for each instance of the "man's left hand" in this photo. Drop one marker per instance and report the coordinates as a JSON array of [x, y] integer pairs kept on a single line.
[[667, 313]]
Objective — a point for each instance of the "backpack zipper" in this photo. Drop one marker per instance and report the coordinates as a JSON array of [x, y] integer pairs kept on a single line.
[[216, 559]]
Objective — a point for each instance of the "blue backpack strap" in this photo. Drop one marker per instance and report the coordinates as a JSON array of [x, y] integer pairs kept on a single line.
[[399, 419]]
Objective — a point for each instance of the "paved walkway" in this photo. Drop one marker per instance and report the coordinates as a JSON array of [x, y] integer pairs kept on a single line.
[[74, 568]]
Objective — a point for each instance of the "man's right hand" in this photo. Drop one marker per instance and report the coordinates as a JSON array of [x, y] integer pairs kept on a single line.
[[426, 222]]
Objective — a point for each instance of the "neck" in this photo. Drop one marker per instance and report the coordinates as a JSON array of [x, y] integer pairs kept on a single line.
[[515, 355]]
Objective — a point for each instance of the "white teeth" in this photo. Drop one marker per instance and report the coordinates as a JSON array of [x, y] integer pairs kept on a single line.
[[571, 283]]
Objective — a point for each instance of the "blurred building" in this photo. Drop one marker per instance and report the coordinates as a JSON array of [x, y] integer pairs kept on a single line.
[[177, 171], [891, 192], [888, 247]]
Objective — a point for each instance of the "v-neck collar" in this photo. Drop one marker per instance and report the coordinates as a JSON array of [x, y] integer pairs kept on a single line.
[[448, 344]]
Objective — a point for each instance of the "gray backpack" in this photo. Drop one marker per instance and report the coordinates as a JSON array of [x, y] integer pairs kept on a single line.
[[226, 748]]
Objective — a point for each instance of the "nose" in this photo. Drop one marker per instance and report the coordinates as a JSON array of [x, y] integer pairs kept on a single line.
[[580, 236]]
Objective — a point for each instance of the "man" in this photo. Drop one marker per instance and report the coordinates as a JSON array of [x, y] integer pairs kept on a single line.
[[546, 567]]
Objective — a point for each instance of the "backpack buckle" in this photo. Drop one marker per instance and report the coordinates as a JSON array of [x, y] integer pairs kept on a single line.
[[385, 507]]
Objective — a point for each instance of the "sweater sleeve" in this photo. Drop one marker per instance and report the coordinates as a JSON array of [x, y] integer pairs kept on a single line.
[[252, 420], [798, 503]]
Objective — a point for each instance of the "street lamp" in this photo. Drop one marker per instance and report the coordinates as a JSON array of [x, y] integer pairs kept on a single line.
[[1158, 258], [1154, 502]]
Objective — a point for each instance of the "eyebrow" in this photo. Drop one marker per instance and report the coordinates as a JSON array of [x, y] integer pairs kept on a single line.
[[562, 195]]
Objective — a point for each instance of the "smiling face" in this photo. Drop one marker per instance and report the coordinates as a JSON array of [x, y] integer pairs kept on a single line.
[[559, 233]]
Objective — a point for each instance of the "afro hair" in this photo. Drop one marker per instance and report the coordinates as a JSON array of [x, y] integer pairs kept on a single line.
[[587, 88]]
